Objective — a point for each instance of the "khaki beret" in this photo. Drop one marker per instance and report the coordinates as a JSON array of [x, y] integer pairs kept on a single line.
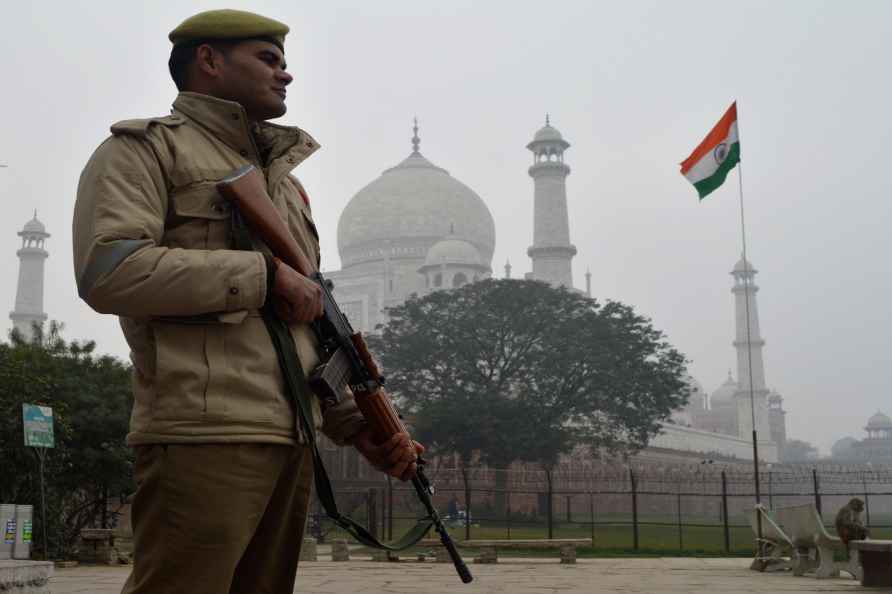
[[228, 24]]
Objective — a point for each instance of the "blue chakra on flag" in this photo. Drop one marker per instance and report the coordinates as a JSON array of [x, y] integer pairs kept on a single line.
[[720, 153]]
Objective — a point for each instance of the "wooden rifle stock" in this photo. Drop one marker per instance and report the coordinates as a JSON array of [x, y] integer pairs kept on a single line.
[[246, 189]]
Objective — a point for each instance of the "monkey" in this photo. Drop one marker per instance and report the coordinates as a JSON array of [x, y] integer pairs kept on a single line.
[[848, 522]]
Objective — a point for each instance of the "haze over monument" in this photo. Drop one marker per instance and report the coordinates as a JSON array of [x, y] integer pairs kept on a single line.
[[619, 83]]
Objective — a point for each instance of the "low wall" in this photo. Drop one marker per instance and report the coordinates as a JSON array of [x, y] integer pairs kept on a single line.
[[687, 439]]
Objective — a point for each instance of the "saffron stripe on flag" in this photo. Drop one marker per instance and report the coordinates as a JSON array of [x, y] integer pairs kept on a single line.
[[715, 136]]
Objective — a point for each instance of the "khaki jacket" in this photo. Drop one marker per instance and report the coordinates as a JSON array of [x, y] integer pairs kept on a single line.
[[152, 244]]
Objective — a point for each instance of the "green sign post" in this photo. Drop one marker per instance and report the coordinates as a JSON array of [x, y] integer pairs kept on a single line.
[[38, 421], [38, 425]]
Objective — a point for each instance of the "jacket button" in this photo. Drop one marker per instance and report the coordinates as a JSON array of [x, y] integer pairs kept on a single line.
[[235, 116], [290, 159], [243, 153], [309, 144], [233, 290]]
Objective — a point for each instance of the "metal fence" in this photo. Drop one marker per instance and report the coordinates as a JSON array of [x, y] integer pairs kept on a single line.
[[683, 509]]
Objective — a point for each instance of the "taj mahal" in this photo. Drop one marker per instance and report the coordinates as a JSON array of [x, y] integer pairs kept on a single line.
[[417, 229]]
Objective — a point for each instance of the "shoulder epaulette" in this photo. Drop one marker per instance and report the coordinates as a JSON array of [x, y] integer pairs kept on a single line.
[[140, 127]]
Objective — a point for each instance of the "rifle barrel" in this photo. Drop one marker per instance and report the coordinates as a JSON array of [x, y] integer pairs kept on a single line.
[[419, 481]]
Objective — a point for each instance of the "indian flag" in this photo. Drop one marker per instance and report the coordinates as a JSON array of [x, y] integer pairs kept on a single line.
[[709, 164]]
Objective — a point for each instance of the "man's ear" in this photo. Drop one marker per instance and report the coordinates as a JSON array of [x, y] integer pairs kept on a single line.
[[208, 60]]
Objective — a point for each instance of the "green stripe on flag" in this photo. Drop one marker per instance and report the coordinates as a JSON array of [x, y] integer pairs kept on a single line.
[[706, 185]]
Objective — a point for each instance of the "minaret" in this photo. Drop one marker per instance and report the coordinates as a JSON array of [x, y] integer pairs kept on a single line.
[[507, 268], [551, 251], [744, 286], [29, 295], [777, 422]]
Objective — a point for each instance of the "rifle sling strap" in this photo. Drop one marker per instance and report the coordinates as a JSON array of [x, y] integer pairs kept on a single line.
[[297, 387]]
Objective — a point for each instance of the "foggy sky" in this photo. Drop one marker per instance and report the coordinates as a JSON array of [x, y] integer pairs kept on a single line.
[[632, 86]]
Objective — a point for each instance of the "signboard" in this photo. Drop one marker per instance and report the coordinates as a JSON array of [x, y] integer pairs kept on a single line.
[[9, 532], [38, 421], [26, 532]]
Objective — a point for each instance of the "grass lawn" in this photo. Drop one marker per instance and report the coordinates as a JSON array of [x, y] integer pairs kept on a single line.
[[614, 536]]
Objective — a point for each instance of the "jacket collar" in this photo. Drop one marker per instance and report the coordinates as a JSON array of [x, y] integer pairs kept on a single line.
[[228, 121]]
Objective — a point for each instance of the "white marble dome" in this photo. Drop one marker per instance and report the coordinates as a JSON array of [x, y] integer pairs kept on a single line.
[[407, 210], [842, 448]]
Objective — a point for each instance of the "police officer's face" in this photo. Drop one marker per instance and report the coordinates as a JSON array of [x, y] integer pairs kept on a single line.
[[253, 74]]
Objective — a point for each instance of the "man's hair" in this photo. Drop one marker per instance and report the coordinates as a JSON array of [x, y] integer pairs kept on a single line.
[[183, 56]]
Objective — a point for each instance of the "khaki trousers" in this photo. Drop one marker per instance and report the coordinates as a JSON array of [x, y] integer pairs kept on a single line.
[[218, 518]]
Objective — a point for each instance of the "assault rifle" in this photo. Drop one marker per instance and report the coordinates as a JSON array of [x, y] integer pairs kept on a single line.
[[346, 360]]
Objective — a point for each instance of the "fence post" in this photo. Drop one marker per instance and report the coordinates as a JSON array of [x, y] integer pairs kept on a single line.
[[814, 474], [389, 508], [725, 513], [591, 512], [550, 515], [634, 510], [372, 511], [569, 515], [464, 474], [678, 508], [866, 501], [508, 510]]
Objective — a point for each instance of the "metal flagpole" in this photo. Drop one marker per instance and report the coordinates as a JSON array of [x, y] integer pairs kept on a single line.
[[749, 349]]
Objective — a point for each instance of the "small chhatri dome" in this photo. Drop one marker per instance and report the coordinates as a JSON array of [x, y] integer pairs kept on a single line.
[[548, 133], [724, 394], [744, 266], [453, 250], [879, 421], [34, 226], [548, 138]]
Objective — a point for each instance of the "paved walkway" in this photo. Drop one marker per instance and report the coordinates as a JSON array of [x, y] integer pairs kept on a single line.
[[511, 576]]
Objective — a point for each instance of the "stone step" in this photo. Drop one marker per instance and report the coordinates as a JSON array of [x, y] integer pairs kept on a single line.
[[25, 577]]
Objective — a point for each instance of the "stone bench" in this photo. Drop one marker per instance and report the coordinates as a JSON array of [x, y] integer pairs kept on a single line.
[[97, 546], [813, 545], [776, 550], [440, 554], [489, 548], [876, 561]]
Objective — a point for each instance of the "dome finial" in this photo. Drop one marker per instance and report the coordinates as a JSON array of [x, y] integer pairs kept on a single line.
[[547, 120], [416, 142], [451, 228], [35, 214]]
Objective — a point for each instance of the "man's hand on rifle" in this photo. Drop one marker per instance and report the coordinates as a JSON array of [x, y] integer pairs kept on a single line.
[[296, 298], [397, 456]]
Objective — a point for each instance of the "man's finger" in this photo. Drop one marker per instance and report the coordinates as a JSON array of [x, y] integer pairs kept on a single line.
[[410, 472], [320, 308], [397, 470]]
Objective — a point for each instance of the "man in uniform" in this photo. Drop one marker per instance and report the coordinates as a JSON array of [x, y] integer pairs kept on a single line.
[[223, 468]]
